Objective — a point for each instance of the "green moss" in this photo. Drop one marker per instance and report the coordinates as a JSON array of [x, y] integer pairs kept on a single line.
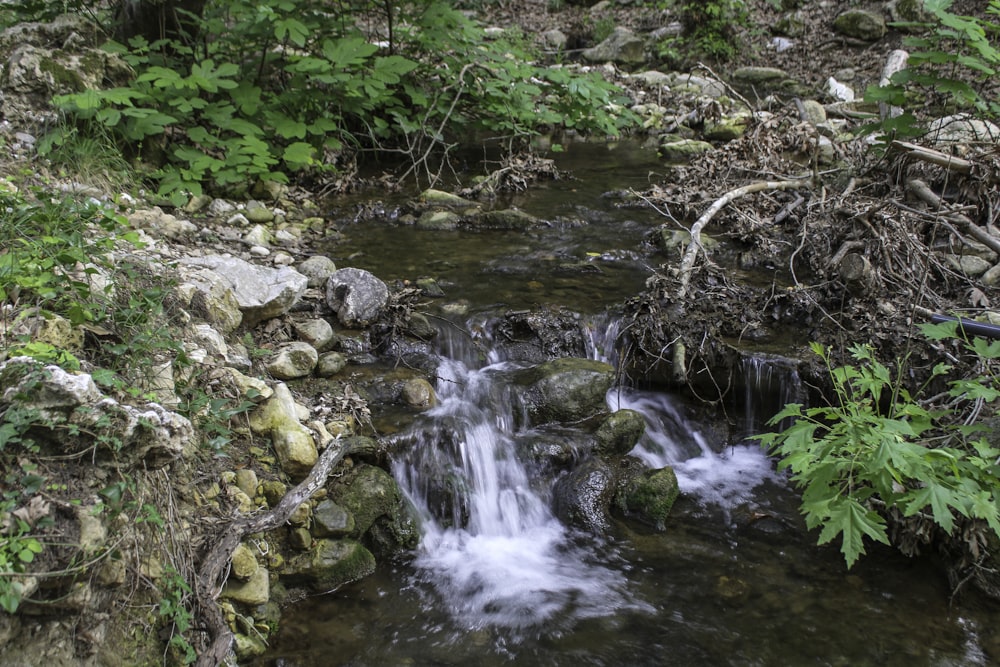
[[651, 496], [66, 80]]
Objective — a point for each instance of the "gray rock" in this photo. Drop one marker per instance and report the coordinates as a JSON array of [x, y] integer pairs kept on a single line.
[[418, 393], [441, 198], [681, 82], [220, 207], [157, 222], [330, 564], [317, 332], [649, 495], [293, 360], [554, 39], [683, 150], [330, 363], [860, 24], [438, 221], [619, 433], [968, 265], [622, 47], [257, 213], [508, 218], [317, 269], [293, 443], [258, 235], [583, 497], [565, 390], [261, 292], [332, 520], [253, 592], [357, 296], [962, 129]]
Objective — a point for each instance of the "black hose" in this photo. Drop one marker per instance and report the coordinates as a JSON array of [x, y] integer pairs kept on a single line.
[[970, 327]]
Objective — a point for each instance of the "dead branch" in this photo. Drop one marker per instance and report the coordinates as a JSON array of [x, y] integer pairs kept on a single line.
[[925, 194], [949, 162], [691, 254], [210, 576]]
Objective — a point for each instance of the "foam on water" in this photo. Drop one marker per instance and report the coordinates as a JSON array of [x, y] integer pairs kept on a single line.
[[723, 478]]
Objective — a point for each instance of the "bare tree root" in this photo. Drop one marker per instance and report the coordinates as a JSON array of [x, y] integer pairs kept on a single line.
[[925, 194], [210, 576]]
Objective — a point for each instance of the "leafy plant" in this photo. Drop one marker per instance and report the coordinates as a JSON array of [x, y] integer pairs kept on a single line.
[[173, 610], [278, 87], [710, 30], [952, 66], [877, 450]]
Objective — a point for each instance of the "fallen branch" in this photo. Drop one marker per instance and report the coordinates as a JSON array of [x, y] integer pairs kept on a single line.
[[923, 192], [949, 162], [210, 576], [691, 254]]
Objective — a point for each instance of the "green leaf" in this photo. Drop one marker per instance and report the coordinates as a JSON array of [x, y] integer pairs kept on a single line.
[[940, 498], [299, 154], [849, 518]]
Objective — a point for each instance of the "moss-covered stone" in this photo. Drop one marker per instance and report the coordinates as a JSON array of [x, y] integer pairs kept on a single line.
[[650, 496], [367, 492], [618, 434], [566, 390], [330, 563], [683, 150]]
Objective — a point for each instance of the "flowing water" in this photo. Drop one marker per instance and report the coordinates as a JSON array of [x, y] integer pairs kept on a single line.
[[497, 579]]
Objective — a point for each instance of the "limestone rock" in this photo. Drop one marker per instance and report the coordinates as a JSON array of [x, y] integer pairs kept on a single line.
[[332, 520], [962, 129], [293, 360], [45, 327], [728, 127], [293, 443], [622, 47], [683, 150], [317, 332], [330, 564], [210, 298], [860, 24], [317, 269], [330, 363], [968, 265], [438, 221], [418, 393], [154, 220], [244, 563], [246, 481], [257, 213], [261, 292], [508, 218], [441, 198], [357, 296], [255, 591]]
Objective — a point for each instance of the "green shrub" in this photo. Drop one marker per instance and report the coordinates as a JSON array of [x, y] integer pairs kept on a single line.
[[277, 87], [952, 66], [877, 450]]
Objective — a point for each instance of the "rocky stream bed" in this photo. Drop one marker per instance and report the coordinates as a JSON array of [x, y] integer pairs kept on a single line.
[[765, 223]]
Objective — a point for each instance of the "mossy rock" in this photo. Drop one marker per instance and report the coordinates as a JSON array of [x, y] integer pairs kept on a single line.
[[367, 492], [566, 390], [618, 434], [329, 564], [649, 496]]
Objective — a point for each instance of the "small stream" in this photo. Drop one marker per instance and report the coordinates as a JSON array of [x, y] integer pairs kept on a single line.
[[497, 579]]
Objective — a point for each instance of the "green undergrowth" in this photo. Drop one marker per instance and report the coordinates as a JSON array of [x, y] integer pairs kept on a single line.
[[76, 292], [278, 89], [879, 453]]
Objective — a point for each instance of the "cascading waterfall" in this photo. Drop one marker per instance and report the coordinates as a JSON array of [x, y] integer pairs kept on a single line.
[[491, 547]]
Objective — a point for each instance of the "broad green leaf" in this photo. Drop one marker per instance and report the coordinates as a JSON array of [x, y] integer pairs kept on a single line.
[[849, 518], [941, 500]]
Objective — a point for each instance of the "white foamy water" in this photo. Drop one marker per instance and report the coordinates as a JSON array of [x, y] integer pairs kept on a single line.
[[501, 558], [723, 478]]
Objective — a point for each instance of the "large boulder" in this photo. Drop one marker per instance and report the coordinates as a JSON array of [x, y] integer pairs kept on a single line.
[[357, 296], [622, 47], [565, 390], [261, 292]]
